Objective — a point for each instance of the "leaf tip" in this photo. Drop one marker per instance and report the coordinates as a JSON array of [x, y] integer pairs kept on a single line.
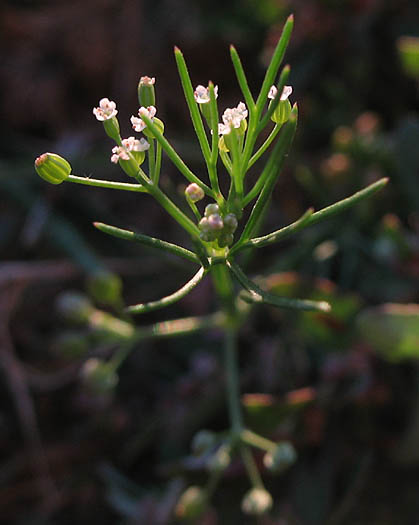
[[324, 306]]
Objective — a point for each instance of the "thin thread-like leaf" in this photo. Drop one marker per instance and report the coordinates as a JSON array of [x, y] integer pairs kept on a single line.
[[192, 105], [257, 295], [241, 77], [148, 241], [313, 218], [170, 299]]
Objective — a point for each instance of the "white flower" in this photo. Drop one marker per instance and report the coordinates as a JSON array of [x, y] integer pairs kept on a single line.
[[147, 81], [137, 123], [119, 152], [202, 94], [232, 118], [106, 110], [133, 144], [286, 92]]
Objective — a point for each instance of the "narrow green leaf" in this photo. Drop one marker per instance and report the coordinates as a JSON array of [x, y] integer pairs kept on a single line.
[[276, 60], [257, 295], [179, 327], [241, 77], [270, 174], [192, 105], [302, 222], [148, 241], [170, 299]]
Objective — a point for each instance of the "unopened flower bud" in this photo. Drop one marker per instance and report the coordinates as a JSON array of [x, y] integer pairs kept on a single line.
[[74, 307], [52, 167], [256, 502], [202, 442], [281, 458], [146, 94], [220, 460], [194, 193], [210, 209], [98, 376], [192, 503], [215, 221], [105, 287], [230, 223], [225, 239]]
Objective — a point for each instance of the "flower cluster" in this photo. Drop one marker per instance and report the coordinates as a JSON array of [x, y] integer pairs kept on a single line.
[[202, 95], [215, 227], [286, 92], [131, 144], [137, 122], [106, 110], [232, 118]]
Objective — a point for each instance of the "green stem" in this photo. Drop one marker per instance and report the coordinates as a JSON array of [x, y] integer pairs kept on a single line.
[[254, 440], [264, 146], [224, 288], [251, 467], [152, 161], [106, 184]]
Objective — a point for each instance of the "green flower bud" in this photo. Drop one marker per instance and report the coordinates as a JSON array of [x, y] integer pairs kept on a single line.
[[230, 223], [192, 503], [52, 168], [111, 127], [281, 458], [159, 125], [210, 209], [220, 460], [225, 239], [146, 94], [75, 307], [98, 376], [105, 288], [203, 441], [256, 502]]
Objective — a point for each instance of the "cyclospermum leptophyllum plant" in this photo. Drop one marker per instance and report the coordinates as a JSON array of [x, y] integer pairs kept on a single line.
[[232, 145]]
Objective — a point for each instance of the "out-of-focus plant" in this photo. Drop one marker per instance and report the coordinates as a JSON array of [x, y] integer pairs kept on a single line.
[[219, 234]]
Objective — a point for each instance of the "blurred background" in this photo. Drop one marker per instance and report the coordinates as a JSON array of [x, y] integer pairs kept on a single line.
[[343, 387]]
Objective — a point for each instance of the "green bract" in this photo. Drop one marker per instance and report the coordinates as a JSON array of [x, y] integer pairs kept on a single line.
[[52, 167]]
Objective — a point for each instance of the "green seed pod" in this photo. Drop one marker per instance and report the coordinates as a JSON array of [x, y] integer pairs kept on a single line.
[[282, 112], [203, 441], [105, 287], [159, 125], [192, 503], [146, 94], [256, 502], [52, 168], [111, 127], [75, 307], [98, 376], [281, 458]]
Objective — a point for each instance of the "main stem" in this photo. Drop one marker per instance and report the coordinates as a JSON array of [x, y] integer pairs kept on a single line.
[[225, 291]]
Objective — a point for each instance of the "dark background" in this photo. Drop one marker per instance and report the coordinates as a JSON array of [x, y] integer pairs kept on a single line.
[[341, 387]]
